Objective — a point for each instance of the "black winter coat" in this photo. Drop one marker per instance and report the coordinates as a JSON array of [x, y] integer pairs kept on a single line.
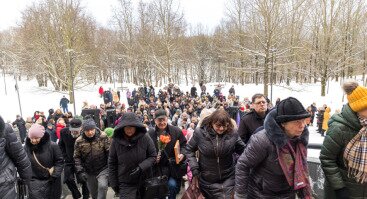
[[66, 144], [216, 164], [21, 127], [13, 158], [166, 164], [44, 185], [249, 123], [52, 133], [258, 172], [127, 154]]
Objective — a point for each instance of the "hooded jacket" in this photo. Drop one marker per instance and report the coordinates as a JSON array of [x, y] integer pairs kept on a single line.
[[126, 154], [258, 172], [342, 128]]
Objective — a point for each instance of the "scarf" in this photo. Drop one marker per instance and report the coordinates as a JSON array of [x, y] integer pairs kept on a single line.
[[294, 165], [355, 154]]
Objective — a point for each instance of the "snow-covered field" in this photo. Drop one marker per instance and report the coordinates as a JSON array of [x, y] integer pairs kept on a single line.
[[33, 98]]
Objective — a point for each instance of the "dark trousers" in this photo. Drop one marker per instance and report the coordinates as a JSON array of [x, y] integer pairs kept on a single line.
[[69, 180]]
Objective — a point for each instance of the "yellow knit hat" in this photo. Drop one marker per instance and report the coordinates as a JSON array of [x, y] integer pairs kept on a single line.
[[358, 99]]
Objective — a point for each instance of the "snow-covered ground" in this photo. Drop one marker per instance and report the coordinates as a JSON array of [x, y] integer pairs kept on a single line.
[[33, 98]]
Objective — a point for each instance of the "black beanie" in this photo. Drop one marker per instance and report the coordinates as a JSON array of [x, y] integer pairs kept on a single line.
[[290, 109]]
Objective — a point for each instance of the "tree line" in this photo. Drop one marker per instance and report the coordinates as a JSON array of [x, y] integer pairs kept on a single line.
[[150, 43]]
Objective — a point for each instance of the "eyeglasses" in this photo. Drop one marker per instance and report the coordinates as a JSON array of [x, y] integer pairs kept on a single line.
[[260, 102], [220, 125]]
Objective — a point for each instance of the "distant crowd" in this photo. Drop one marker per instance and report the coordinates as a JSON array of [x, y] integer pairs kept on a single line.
[[220, 144]]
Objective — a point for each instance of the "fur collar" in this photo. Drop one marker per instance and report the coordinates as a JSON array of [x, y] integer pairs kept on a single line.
[[44, 142], [276, 134]]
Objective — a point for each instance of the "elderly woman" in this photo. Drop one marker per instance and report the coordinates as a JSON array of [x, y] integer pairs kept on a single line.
[[47, 164], [132, 153], [274, 163], [343, 154], [216, 141]]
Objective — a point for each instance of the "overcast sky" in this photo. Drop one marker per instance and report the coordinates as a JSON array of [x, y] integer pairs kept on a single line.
[[207, 12]]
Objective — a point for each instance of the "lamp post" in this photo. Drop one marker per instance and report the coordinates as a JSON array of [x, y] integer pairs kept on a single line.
[[17, 89], [272, 50], [71, 64]]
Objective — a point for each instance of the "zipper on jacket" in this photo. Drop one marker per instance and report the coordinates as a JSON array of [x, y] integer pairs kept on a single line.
[[217, 153]]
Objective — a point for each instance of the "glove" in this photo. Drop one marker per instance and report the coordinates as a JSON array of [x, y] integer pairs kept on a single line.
[[342, 193], [81, 177], [135, 173], [116, 190]]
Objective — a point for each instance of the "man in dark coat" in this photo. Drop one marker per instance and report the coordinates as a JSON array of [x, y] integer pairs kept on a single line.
[[313, 110], [232, 91], [64, 104], [68, 137], [107, 96], [253, 119], [21, 127], [193, 91], [166, 159], [13, 159], [90, 156], [132, 154]]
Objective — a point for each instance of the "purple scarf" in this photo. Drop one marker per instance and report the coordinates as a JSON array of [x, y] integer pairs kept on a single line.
[[294, 166]]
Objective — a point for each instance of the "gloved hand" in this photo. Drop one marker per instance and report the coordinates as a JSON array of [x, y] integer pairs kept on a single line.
[[81, 177], [135, 173], [342, 193], [116, 190]]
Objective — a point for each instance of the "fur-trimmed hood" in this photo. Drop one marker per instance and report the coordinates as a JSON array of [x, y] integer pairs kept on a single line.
[[276, 134]]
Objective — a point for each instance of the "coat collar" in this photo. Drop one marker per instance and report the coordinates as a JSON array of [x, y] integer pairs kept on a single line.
[[277, 135]]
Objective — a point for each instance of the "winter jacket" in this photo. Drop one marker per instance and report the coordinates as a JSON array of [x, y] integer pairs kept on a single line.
[[21, 127], [326, 119], [91, 154], [166, 164], [52, 133], [127, 154], [216, 165], [58, 129], [249, 123], [64, 102], [44, 185], [342, 128], [258, 172], [66, 144], [13, 158]]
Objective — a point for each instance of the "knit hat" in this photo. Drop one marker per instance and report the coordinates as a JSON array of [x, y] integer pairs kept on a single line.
[[75, 125], [36, 131], [357, 96], [290, 109], [109, 131], [160, 113], [89, 124]]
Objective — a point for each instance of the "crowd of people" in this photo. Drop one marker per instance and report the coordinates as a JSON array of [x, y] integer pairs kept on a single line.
[[222, 146]]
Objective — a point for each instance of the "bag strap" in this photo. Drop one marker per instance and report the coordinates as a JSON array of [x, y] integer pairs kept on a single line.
[[35, 157]]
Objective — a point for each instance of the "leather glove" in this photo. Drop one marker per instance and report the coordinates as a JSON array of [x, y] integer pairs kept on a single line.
[[135, 173], [342, 193], [81, 177]]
